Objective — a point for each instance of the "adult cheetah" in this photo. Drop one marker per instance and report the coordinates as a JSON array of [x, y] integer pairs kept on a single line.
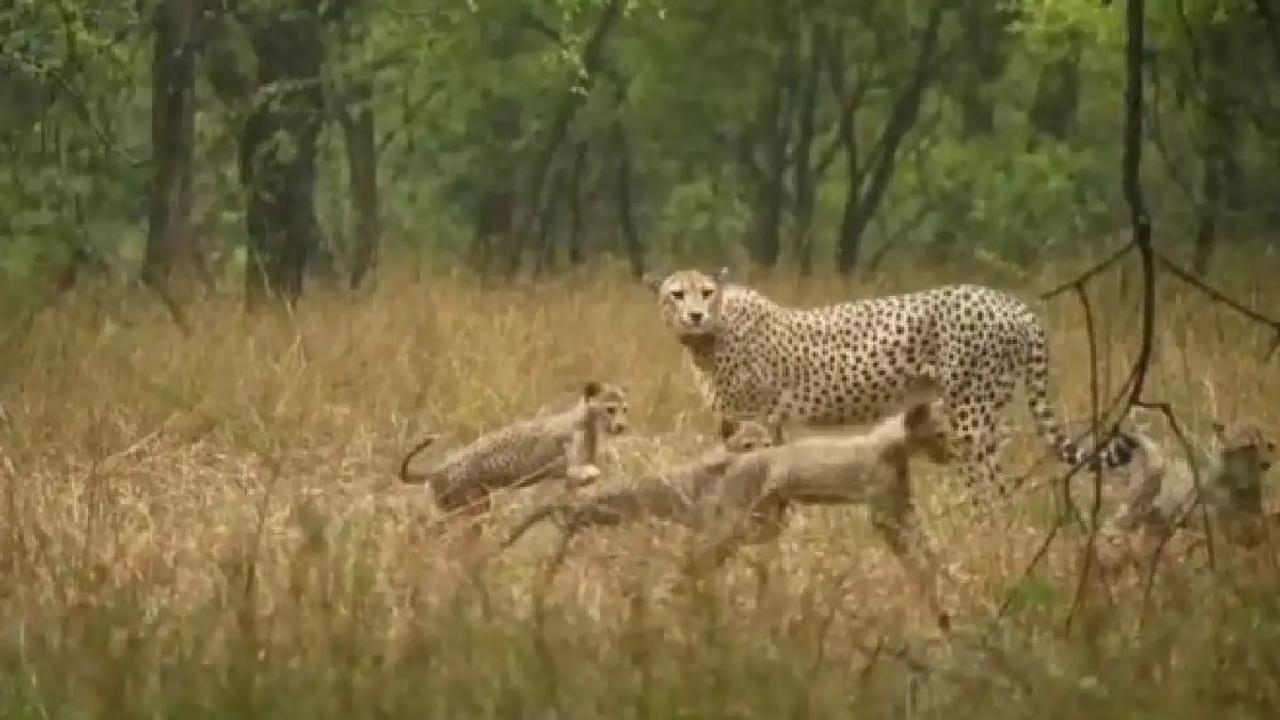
[[856, 362]]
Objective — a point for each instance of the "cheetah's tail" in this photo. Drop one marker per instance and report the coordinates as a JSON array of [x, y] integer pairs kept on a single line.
[[533, 518], [1118, 450], [410, 477]]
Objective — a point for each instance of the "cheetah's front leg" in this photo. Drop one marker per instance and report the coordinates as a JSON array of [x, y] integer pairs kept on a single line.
[[582, 474], [897, 521]]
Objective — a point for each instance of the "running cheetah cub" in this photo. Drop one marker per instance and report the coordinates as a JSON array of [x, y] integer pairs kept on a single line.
[[752, 495], [1161, 493], [564, 445], [672, 495]]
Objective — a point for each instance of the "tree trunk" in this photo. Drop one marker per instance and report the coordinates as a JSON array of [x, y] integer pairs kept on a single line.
[[575, 203], [861, 204], [1053, 111], [278, 156], [626, 214], [546, 255], [1217, 144], [171, 244], [983, 25], [1270, 15], [775, 124], [495, 221], [592, 57], [362, 165], [805, 182]]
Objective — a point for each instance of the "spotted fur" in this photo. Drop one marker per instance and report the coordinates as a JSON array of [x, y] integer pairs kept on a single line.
[[855, 362], [562, 445]]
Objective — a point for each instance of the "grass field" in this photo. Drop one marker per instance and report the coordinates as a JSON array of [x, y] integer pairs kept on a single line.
[[210, 526]]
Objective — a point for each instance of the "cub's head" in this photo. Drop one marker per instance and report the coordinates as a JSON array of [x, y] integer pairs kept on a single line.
[[689, 300], [1245, 452], [607, 406], [750, 435], [926, 431]]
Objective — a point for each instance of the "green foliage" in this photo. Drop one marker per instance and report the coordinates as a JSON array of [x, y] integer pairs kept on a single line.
[[701, 218], [466, 95], [1021, 203]]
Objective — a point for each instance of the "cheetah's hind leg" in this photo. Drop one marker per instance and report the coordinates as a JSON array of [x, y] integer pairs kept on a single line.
[[975, 446]]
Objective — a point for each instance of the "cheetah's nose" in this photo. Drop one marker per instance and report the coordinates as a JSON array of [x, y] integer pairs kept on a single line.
[[695, 317]]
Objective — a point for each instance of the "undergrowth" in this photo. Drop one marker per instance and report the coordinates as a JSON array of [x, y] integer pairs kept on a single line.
[[210, 526]]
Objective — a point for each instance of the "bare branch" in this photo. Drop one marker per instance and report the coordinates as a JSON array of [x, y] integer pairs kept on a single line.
[[1140, 223], [1139, 218], [1084, 278], [1090, 549], [1220, 297], [1167, 410]]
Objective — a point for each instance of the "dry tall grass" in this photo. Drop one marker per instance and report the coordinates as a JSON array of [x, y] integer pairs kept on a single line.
[[211, 526]]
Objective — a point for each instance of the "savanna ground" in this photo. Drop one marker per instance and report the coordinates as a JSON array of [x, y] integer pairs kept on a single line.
[[210, 526]]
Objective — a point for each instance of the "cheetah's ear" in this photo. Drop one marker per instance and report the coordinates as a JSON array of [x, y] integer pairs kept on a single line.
[[722, 274], [1219, 431], [653, 281], [591, 389]]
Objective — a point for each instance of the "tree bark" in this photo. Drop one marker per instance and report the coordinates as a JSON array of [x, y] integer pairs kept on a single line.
[[983, 26], [171, 242], [575, 204], [592, 56], [626, 213], [775, 125], [362, 165], [1270, 15], [1053, 111], [805, 181], [1219, 137], [862, 203], [546, 252], [278, 155]]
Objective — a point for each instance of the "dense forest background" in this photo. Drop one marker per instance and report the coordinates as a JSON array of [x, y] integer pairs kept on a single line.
[[276, 143]]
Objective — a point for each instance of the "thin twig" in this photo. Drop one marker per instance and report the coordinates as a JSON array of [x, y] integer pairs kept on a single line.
[[1140, 223], [1087, 275], [1167, 410], [1218, 296], [1091, 544]]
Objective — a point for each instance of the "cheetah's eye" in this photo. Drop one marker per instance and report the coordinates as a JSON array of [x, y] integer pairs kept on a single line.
[[707, 293], [677, 294], [612, 410]]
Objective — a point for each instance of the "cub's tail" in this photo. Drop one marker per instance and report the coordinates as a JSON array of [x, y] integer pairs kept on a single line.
[[534, 517], [410, 477]]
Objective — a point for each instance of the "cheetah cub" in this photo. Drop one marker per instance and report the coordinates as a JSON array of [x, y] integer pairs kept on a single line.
[[563, 445], [1160, 493], [671, 495], [752, 495]]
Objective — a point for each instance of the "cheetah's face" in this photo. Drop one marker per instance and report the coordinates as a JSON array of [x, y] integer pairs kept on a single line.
[[1244, 449], [607, 406], [689, 301], [749, 436]]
